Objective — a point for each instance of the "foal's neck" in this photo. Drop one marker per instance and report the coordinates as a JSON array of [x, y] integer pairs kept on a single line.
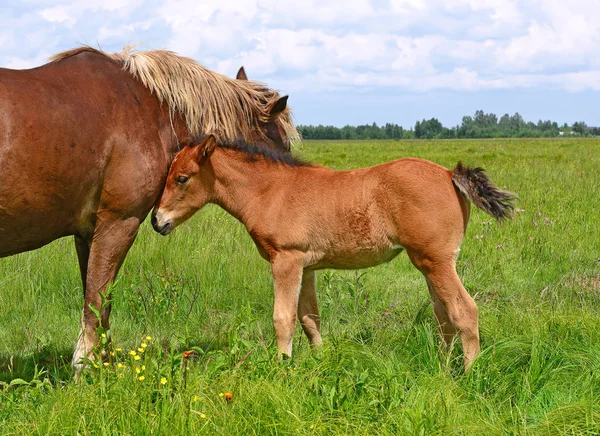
[[243, 182]]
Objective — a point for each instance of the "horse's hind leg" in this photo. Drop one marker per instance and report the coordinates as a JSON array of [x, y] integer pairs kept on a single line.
[[308, 310], [460, 308], [110, 244], [82, 246]]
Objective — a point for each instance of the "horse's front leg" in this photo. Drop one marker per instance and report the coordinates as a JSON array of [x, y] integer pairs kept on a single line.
[[287, 277], [109, 245]]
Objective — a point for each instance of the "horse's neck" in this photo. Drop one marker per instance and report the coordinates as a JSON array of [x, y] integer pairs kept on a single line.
[[241, 184], [177, 132]]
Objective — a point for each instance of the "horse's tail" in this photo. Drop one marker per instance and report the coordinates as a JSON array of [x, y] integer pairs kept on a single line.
[[476, 186]]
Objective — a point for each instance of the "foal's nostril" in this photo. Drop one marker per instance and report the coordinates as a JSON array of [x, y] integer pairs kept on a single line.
[[153, 220], [166, 228]]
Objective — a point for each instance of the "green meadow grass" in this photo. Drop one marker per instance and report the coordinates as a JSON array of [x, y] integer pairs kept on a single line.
[[536, 280]]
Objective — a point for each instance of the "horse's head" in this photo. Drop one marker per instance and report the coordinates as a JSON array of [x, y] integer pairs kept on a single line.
[[188, 188], [272, 133]]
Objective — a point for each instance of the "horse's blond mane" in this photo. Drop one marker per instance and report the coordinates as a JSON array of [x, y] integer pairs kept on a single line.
[[209, 102]]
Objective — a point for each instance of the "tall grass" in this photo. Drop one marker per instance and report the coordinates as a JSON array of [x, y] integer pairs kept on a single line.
[[536, 280]]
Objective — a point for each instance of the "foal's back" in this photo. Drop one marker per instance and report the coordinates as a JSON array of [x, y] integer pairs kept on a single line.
[[360, 218]]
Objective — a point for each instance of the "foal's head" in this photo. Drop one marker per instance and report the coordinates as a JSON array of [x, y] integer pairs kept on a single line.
[[188, 187]]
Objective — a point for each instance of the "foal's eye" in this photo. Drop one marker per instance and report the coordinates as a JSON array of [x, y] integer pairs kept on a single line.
[[181, 180]]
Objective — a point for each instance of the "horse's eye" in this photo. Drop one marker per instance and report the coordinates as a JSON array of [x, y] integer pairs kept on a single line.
[[181, 180]]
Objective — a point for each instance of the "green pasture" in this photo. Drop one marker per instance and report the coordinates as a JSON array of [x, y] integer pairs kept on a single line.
[[205, 289]]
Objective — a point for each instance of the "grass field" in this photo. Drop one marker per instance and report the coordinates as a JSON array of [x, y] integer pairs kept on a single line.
[[536, 280]]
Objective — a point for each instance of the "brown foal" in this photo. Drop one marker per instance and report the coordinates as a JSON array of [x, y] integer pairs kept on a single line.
[[304, 218]]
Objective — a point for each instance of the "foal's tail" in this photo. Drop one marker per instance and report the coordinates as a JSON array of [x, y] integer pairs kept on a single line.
[[474, 184]]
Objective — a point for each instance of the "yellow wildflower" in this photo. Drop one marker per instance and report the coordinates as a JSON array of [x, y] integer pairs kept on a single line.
[[132, 353], [118, 350], [148, 338], [203, 416], [141, 378], [136, 357], [144, 345], [137, 370], [106, 364], [143, 367], [163, 381], [140, 350], [121, 366], [103, 335], [195, 398]]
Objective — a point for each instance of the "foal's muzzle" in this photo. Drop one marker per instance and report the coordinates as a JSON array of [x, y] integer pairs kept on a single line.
[[162, 227]]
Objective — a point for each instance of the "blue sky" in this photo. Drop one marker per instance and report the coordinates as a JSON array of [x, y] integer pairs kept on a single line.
[[355, 61]]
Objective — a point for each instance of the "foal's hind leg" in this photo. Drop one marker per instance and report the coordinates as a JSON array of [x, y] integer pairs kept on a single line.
[[308, 310], [287, 276], [446, 328], [460, 308]]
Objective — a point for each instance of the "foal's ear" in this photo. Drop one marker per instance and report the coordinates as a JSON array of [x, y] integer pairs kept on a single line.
[[278, 107], [206, 148], [241, 74]]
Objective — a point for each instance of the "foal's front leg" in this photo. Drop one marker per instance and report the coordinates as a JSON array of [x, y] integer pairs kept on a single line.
[[308, 309], [287, 277]]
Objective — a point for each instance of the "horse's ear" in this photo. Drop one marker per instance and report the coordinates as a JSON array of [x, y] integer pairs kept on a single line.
[[207, 147], [241, 74], [278, 107]]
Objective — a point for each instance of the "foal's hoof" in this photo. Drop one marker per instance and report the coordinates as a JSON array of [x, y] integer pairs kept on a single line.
[[283, 357], [317, 352]]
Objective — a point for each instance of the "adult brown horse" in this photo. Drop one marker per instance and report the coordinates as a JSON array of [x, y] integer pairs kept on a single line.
[[305, 218], [85, 145]]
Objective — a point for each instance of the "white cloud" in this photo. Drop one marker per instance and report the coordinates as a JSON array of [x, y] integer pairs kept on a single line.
[[358, 46], [564, 35], [405, 7], [58, 14]]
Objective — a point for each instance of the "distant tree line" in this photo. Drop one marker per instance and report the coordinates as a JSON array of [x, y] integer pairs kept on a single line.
[[481, 125]]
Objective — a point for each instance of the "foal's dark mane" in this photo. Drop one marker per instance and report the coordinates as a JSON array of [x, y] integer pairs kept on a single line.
[[268, 154]]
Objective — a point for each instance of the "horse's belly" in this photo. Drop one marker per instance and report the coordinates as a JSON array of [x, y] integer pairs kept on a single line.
[[11, 244], [21, 232], [39, 207]]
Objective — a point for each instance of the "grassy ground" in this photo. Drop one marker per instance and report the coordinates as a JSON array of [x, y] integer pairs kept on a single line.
[[536, 280]]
